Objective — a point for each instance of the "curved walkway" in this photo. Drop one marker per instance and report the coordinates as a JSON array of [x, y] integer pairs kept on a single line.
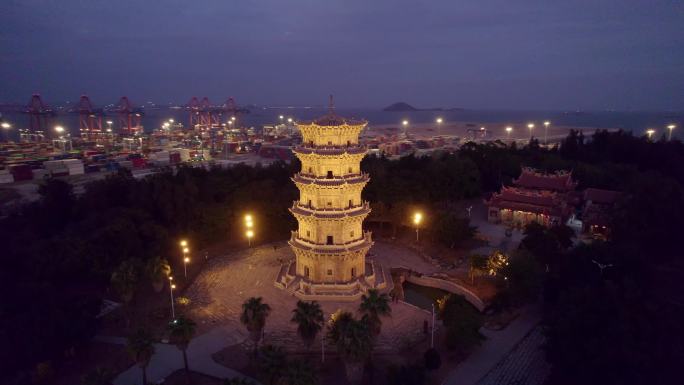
[[168, 359]]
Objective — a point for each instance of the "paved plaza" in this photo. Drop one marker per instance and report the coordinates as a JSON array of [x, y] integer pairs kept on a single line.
[[226, 282]]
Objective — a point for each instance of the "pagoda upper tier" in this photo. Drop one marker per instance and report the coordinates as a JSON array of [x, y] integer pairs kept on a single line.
[[331, 131]]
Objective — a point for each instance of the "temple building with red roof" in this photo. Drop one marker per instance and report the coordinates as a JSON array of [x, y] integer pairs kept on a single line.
[[546, 198]]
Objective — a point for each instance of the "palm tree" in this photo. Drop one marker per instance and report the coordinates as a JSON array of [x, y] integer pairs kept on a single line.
[[309, 319], [253, 316], [158, 270], [373, 306], [353, 340], [98, 376], [181, 332], [140, 346], [299, 372], [272, 362]]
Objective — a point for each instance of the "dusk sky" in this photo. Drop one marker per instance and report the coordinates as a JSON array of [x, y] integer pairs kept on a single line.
[[486, 54]]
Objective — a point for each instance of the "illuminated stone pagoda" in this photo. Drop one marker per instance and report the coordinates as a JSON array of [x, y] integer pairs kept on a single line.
[[330, 245]]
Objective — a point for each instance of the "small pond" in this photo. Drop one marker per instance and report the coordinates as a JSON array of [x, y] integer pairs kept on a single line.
[[422, 296]]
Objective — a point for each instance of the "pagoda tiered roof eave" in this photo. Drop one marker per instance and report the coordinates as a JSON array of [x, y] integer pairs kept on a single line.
[[332, 150], [325, 182], [360, 244], [332, 120], [361, 210]]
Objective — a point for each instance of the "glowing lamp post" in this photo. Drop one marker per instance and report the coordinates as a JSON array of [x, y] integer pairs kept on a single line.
[[5, 126], [417, 218], [171, 287], [650, 133], [184, 248], [186, 260], [546, 131], [509, 129], [405, 123], [439, 125], [670, 128], [531, 127], [249, 225]]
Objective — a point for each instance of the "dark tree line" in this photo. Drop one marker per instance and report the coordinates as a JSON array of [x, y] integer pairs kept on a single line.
[[59, 253]]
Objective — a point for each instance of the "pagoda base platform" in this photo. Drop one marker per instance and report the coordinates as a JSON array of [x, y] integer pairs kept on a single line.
[[350, 291]]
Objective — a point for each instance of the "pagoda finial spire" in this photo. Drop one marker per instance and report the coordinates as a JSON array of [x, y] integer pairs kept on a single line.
[[331, 106]]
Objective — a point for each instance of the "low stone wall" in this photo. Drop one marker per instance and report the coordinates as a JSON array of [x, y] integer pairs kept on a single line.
[[449, 286]]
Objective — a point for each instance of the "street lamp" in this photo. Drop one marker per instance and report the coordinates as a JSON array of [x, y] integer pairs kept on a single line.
[[59, 129], [509, 129], [405, 123], [670, 127], [546, 131], [171, 121], [650, 133], [185, 266], [432, 334], [171, 287], [249, 224], [531, 127], [417, 218], [289, 120], [249, 235], [439, 125], [6, 125]]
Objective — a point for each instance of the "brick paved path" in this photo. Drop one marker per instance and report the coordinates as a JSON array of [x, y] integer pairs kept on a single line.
[[226, 282]]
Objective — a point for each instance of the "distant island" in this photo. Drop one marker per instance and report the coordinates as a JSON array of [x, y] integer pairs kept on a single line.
[[402, 106]]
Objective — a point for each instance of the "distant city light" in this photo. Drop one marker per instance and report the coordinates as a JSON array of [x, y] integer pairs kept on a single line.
[[509, 129], [439, 120], [59, 129], [6, 125], [405, 122]]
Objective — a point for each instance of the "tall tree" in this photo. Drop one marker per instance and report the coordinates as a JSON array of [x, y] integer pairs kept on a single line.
[[354, 341], [181, 331], [254, 314], [140, 346], [309, 319], [373, 306], [158, 271], [462, 322], [125, 279]]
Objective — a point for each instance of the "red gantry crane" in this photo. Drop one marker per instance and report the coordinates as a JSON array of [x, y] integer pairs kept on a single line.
[[90, 119], [128, 117]]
